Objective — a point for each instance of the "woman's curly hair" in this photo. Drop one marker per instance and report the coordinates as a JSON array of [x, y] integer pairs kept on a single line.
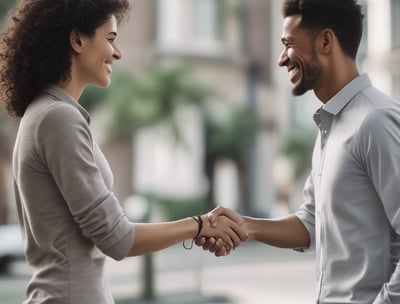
[[35, 50]]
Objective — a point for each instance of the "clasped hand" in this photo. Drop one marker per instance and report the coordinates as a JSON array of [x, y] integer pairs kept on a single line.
[[224, 231]]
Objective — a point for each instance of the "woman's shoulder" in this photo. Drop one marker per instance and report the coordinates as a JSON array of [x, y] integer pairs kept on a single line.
[[48, 117], [47, 109]]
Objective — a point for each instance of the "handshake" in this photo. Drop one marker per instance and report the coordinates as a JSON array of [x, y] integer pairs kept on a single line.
[[221, 231]]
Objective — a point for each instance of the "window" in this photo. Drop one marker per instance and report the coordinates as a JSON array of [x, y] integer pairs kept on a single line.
[[190, 27], [169, 14], [205, 19]]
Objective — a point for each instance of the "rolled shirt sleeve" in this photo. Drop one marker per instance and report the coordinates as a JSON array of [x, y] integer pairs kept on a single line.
[[306, 214]]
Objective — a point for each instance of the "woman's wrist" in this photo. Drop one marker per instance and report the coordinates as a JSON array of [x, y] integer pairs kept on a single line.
[[196, 227], [199, 222]]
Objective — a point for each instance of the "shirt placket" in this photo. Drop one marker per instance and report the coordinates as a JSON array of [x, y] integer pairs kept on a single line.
[[323, 120]]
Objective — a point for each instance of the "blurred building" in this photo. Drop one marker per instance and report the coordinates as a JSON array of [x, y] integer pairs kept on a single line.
[[383, 61], [233, 46]]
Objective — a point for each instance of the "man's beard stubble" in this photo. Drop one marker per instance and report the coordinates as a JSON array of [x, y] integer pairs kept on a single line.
[[311, 71]]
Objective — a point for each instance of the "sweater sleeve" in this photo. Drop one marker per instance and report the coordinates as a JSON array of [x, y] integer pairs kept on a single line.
[[67, 148]]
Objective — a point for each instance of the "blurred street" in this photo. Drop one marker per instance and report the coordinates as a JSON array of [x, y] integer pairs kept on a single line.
[[253, 274]]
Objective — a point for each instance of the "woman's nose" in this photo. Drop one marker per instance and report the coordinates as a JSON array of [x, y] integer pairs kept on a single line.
[[117, 53]]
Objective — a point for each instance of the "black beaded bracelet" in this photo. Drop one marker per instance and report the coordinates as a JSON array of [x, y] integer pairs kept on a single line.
[[200, 223]]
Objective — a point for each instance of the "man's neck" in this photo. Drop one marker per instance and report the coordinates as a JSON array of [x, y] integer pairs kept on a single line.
[[335, 79]]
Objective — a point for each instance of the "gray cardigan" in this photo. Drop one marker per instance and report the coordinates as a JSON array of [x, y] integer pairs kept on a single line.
[[70, 218]]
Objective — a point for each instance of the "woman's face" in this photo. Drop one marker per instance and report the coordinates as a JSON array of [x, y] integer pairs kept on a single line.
[[98, 54]]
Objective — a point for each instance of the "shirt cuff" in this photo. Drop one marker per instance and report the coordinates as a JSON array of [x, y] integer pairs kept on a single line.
[[309, 225]]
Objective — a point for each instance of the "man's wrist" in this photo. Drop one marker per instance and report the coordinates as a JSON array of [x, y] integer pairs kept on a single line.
[[250, 225]]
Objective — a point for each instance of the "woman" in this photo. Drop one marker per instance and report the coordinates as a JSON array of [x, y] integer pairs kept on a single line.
[[70, 219]]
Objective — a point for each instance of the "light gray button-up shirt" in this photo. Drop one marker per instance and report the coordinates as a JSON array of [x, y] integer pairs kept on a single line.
[[352, 197], [68, 213]]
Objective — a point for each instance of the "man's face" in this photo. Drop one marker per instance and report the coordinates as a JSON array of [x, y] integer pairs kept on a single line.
[[299, 56]]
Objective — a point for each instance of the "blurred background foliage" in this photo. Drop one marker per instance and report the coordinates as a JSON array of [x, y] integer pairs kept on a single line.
[[297, 146], [141, 102], [230, 137], [176, 208], [133, 102]]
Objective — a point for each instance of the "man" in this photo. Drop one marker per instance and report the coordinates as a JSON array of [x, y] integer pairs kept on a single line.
[[351, 210]]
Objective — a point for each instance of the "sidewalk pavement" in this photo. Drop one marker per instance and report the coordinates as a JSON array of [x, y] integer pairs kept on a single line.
[[252, 274]]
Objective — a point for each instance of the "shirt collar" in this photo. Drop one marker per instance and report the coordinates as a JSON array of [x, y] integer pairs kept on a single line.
[[61, 95], [345, 95], [324, 115]]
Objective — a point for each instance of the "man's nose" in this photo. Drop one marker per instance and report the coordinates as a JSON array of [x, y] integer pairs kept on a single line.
[[283, 58]]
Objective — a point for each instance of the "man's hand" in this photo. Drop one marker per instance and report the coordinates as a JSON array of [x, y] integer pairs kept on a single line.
[[217, 245]]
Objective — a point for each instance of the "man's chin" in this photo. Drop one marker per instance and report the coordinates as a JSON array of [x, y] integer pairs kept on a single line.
[[299, 90]]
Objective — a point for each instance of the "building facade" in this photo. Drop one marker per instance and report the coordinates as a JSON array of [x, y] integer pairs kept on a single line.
[[233, 46]]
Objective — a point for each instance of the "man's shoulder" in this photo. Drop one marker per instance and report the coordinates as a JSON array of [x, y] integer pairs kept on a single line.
[[378, 99], [382, 121]]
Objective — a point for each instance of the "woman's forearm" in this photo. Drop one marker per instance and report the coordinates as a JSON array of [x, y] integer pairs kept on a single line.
[[150, 237]]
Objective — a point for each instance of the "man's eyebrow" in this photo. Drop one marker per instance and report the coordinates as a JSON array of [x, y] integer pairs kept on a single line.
[[286, 40]]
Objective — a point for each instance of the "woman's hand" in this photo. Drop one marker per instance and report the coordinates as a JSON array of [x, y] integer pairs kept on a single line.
[[224, 230]]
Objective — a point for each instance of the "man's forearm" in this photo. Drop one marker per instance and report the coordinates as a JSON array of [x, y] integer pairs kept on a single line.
[[286, 232]]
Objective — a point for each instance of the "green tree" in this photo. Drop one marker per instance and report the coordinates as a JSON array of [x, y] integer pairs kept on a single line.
[[139, 102], [229, 138]]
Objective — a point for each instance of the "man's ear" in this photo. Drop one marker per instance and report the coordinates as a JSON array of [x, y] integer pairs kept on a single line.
[[326, 41], [76, 41]]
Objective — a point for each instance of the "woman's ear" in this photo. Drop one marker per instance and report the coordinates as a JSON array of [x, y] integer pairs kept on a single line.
[[76, 41]]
